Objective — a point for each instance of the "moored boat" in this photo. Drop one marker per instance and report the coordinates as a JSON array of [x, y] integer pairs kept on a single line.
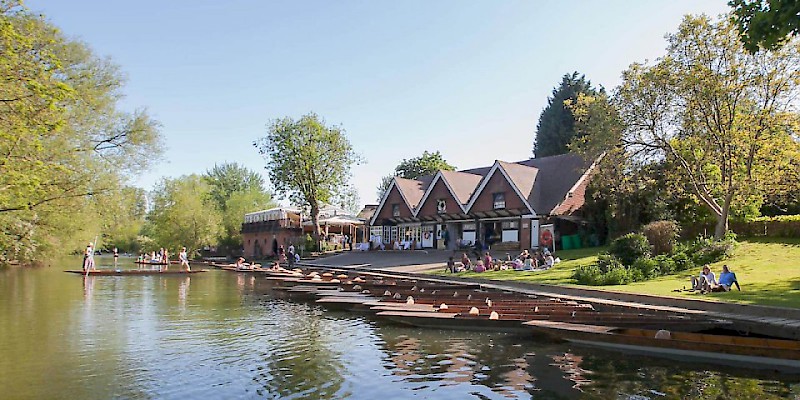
[[762, 353]]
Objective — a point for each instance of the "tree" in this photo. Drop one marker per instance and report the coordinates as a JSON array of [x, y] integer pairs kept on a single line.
[[413, 168], [765, 23], [555, 129], [181, 214], [307, 161], [63, 142], [723, 118], [229, 178]]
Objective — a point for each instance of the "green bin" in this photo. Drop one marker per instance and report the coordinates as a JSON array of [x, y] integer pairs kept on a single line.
[[566, 242], [576, 242]]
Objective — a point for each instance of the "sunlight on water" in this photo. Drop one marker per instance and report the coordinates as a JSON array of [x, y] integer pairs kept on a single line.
[[227, 335]]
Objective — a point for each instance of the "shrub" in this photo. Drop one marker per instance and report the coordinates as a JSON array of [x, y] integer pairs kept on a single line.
[[618, 275], [666, 264], [588, 275], [646, 267], [661, 235], [309, 244], [606, 261], [628, 248], [682, 262], [707, 250]]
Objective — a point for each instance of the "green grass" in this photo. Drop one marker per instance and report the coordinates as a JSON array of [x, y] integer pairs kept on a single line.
[[767, 269]]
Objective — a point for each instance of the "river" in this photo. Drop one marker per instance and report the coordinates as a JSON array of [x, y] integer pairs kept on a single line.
[[223, 335]]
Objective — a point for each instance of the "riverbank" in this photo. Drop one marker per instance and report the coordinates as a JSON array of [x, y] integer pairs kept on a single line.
[[768, 270]]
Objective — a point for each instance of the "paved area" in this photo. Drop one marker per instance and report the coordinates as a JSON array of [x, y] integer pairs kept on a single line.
[[773, 321]]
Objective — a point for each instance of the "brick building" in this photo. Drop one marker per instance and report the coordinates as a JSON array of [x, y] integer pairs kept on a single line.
[[507, 205]]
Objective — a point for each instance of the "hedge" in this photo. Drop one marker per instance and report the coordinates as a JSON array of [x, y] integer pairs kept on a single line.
[[784, 226]]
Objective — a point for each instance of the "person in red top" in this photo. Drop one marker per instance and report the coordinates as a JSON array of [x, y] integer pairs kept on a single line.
[[487, 260]]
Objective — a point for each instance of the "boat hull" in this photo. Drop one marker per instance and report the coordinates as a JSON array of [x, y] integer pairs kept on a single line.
[[134, 272]]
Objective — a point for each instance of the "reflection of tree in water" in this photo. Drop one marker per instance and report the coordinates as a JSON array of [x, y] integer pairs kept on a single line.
[[621, 376], [303, 362]]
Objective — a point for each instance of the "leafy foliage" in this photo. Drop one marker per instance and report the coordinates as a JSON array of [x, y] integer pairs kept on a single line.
[[555, 129], [234, 190], [662, 235], [413, 168], [65, 145], [629, 248], [307, 161], [765, 23], [182, 215], [721, 118]]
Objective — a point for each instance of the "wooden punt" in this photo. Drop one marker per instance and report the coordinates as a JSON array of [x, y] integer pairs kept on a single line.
[[750, 352], [255, 268], [135, 272], [149, 263], [445, 320]]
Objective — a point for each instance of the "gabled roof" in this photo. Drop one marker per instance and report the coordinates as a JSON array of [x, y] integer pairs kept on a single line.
[[521, 176], [459, 184], [411, 190], [499, 166], [556, 176]]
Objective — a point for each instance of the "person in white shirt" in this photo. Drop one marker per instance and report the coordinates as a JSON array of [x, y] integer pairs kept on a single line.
[[706, 281]]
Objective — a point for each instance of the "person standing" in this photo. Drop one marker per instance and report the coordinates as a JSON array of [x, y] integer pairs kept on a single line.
[[116, 256], [88, 258], [184, 259], [290, 256]]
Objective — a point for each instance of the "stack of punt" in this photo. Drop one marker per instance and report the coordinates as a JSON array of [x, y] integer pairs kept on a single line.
[[135, 272], [721, 349]]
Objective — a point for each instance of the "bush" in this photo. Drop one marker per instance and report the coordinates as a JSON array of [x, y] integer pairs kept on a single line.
[[707, 250], [682, 262], [666, 264], [661, 235], [309, 244], [646, 267], [589, 275], [618, 275], [606, 261], [630, 247]]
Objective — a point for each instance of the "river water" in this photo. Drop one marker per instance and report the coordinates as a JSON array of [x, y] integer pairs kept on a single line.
[[223, 335]]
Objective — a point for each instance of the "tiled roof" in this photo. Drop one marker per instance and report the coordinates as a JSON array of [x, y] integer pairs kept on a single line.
[[413, 189], [462, 183], [556, 176], [522, 176]]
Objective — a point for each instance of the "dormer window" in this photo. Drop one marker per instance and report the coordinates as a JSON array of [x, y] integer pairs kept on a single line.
[[395, 210], [441, 206], [499, 200]]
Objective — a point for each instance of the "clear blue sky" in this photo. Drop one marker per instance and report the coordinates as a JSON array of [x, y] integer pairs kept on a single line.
[[467, 78]]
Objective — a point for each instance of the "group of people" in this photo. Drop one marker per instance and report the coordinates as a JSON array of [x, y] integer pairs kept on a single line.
[[162, 258], [523, 262], [708, 282]]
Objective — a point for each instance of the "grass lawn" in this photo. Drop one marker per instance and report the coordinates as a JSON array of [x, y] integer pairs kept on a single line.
[[767, 269]]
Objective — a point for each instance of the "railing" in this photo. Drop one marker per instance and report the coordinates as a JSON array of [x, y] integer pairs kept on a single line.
[[270, 226]]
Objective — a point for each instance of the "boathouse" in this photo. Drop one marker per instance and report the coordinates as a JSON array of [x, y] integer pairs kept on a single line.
[[507, 205]]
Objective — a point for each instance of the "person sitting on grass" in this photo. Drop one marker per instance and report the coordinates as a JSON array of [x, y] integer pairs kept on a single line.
[[479, 267], [487, 260], [705, 282], [549, 261], [726, 281], [451, 266], [466, 261]]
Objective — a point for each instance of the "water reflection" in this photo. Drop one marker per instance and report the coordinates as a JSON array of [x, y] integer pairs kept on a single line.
[[227, 335]]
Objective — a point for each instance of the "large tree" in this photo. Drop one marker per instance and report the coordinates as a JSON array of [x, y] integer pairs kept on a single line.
[[724, 119], [63, 141], [556, 127], [228, 178], [307, 161], [235, 190], [765, 23], [182, 214], [426, 164]]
